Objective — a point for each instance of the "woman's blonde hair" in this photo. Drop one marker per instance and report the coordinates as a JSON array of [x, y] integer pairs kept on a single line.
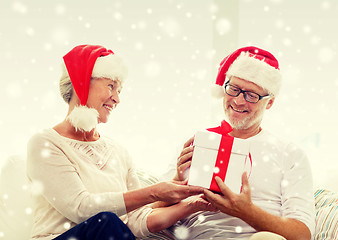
[[65, 86]]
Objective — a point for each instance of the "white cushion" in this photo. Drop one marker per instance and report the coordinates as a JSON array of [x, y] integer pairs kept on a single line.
[[15, 201]]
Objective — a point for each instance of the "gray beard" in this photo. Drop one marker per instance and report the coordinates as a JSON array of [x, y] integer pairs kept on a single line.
[[243, 124]]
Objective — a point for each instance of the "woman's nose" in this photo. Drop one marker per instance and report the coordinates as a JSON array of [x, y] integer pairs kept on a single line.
[[115, 97]]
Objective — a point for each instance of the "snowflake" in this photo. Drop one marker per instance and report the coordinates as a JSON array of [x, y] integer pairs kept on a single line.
[[19, 7], [5, 196], [266, 158], [98, 200], [287, 42], [213, 8], [223, 26], [238, 229], [284, 183], [206, 168], [188, 14], [152, 69], [201, 218], [60, 9], [66, 225], [266, 8], [30, 31], [36, 187], [325, 55], [139, 46], [45, 153], [326, 5], [28, 211], [307, 29], [14, 89], [118, 16], [181, 232], [170, 27]]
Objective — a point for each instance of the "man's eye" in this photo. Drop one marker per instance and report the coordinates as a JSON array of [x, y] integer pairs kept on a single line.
[[234, 89], [252, 95], [111, 86]]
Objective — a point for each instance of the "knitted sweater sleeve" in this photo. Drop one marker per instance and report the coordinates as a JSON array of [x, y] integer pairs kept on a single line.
[[55, 178], [137, 219]]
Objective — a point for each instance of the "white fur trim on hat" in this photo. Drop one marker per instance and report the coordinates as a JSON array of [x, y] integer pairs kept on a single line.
[[83, 118], [256, 71], [110, 66]]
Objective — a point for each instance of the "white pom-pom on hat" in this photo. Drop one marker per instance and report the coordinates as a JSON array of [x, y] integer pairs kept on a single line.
[[83, 118], [217, 91]]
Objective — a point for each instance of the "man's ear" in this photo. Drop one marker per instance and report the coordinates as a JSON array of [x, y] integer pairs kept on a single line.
[[270, 103]]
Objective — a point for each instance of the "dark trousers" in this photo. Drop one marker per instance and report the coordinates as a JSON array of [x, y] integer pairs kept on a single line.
[[103, 226]]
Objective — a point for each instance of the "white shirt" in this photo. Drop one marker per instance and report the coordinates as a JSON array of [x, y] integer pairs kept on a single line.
[[281, 184], [74, 180]]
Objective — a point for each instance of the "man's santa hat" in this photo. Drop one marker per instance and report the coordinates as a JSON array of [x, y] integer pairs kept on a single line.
[[83, 63], [252, 64]]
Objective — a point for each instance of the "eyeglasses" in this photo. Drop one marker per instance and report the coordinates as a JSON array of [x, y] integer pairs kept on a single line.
[[248, 96]]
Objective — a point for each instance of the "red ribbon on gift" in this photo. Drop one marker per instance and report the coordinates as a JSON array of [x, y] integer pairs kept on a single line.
[[222, 161], [223, 156]]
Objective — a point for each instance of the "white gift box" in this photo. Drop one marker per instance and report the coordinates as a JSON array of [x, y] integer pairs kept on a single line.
[[217, 155]]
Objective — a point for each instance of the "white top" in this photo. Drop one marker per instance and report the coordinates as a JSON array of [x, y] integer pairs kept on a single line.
[[281, 183], [74, 180]]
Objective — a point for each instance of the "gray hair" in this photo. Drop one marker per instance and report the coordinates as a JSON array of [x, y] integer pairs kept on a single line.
[[66, 86]]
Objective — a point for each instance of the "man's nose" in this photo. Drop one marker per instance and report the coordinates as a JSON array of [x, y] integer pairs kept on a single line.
[[240, 99]]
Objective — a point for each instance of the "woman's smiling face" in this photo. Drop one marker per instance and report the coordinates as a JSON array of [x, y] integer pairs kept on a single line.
[[104, 96]]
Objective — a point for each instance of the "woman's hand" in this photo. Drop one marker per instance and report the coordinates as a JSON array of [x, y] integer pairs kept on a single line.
[[184, 160], [199, 203], [174, 191], [164, 217]]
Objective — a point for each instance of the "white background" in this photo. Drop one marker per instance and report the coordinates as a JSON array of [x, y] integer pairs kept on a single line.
[[172, 48]]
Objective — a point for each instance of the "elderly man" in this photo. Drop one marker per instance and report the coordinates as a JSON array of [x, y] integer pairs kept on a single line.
[[276, 201]]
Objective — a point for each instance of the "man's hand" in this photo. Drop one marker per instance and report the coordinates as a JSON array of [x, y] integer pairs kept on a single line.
[[241, 206], [236, 205], [184, 160]]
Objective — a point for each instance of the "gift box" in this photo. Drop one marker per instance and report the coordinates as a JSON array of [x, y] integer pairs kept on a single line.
[[219, 155]]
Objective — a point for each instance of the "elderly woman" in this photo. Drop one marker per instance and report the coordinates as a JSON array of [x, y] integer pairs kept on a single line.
[[88, 185]]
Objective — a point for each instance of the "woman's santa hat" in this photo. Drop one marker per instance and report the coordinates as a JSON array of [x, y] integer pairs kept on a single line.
[[83, 63], [252, 64]]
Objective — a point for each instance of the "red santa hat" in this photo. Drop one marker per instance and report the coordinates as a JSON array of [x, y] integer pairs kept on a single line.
[[81, 64], [252, 64]]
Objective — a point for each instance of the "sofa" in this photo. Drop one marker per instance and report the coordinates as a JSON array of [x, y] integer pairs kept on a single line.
[[16, 206]]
